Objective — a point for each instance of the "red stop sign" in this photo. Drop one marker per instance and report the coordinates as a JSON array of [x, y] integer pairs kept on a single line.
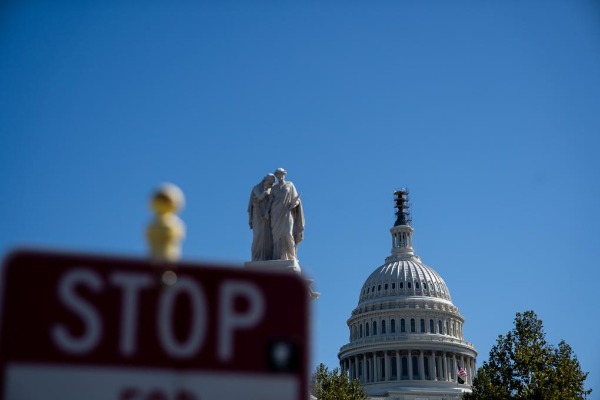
[[80, 326]]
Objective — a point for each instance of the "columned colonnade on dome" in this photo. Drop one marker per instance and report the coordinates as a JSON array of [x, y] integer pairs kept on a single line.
[[399, 365]]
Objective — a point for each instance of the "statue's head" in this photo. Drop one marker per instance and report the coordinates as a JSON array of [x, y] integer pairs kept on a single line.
[[280, 173], [269, 179]]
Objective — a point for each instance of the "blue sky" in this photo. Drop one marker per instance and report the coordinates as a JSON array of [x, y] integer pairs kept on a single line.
[[487, 111]]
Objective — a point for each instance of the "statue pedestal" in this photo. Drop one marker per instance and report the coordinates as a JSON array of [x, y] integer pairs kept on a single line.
[[282, 266], [275, 265]]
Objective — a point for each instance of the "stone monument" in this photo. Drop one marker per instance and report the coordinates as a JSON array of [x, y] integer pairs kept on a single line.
[[277, 222]]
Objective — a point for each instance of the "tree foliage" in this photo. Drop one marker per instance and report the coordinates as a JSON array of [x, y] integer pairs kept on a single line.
[[523, 366], [335, 385]]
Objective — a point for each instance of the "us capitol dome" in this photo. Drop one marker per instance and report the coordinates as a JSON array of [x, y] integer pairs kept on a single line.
[[406, 335]]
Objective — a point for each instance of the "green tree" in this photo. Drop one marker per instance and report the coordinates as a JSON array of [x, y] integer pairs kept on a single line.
[[523, 366], [335, 385]]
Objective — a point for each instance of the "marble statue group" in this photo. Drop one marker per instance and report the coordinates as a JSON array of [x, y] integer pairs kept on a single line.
[[276, 218]]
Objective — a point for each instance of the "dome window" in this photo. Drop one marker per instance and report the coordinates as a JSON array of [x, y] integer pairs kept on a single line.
[[424, 285], [378, 288], [393, 326], [413, 327], [431, 326], [383, 330], [374, 327], [368, 290], [393, 285], [409, 285], [373, 289], [402, 325], [401, 285], [367, 329], [386, 286], [417, 285]]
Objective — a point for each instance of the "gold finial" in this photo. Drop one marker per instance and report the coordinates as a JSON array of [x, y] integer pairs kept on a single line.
[[166, 231]]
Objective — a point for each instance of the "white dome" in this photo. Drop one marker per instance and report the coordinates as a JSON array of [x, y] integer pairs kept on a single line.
[[400, 278]]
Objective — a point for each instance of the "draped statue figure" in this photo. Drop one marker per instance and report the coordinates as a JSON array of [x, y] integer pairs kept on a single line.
[[287, 219], [262, 241]]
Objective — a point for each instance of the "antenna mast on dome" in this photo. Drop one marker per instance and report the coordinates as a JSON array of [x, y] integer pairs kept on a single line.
[[403, 213]]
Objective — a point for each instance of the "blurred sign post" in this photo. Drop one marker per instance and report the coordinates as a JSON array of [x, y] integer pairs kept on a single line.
[[101, 328]]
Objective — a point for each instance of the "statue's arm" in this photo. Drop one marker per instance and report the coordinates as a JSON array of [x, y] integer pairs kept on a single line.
[[295, 197], [260, 195]]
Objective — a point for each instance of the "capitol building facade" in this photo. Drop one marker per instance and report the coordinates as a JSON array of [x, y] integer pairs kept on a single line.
[[406, 336]]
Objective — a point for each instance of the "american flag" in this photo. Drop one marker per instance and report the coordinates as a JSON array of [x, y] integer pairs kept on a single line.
[[462, 375]]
